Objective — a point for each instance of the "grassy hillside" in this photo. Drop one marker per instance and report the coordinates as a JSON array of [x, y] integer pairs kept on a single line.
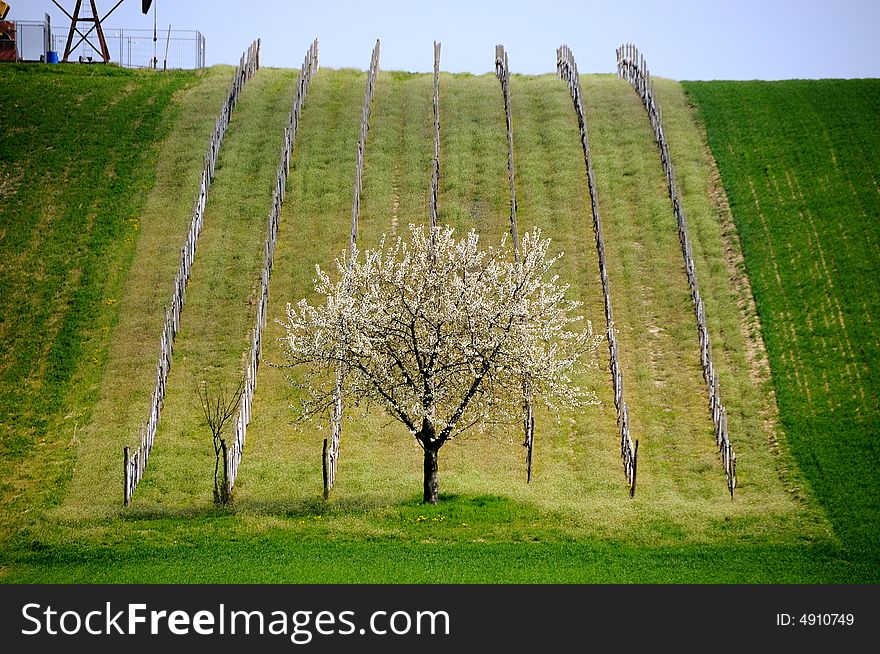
[[78, 152], [800, 162], [575, 521], [578, 488], [214, 326]]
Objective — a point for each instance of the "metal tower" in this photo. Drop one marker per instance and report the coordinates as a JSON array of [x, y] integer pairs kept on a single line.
[[95, 19]]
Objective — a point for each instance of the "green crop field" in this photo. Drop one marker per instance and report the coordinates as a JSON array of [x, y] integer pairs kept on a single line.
[[800, 161], [63, 519]]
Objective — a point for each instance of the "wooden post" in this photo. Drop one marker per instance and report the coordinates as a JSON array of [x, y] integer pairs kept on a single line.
[[225, 489], [126, 475], [529, 427], [732, 481], [635, 465], [325, 466], [503, 74], [435, 174]]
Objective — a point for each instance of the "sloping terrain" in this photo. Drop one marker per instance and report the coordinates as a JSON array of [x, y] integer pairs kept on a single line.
[[578, 487], [78, 153], [215, 321], [575, 521], [800, 162]]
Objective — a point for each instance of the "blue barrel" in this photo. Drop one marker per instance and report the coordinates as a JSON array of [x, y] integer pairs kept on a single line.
[[52, 57]]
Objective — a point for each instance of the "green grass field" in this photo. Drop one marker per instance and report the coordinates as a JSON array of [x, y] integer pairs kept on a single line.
[[78, 155], [575, 521], [800, 162]]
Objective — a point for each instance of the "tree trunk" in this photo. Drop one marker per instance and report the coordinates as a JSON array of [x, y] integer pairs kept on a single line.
[[432, 482], [217, 458], [225, 492]]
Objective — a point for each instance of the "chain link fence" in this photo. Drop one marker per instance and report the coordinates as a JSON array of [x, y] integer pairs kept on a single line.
[[135, 48]]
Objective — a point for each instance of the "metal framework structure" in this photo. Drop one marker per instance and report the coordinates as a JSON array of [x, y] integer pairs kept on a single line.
[[96, 19]]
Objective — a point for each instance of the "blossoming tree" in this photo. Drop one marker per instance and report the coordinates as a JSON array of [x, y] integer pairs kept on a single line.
[[441, 333]]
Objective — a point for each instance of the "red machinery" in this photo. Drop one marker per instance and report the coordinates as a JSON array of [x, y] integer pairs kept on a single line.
[[8, 51]]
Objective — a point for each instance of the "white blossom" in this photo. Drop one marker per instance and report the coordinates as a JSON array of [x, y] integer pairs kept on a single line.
[[442, 333]]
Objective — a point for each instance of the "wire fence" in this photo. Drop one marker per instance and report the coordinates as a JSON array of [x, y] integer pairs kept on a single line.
[[32, 41], [502, 72], [632, 67], [135, 48], [136, 463], [567, 69], [234, 453], [435, 164], [330, 454]]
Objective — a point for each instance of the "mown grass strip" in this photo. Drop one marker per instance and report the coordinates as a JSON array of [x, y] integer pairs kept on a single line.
[[214, 335], [208, 548]]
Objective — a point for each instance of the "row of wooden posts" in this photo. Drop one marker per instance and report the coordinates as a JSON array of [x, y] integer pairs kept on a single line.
[[568, 72], [567, 69], [135, 463], [330, 452], [502, 72], [632, 67], [435, 167], [233, 454]]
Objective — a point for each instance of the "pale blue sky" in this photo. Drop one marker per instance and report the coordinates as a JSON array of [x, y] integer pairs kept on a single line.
[[682, 39]]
